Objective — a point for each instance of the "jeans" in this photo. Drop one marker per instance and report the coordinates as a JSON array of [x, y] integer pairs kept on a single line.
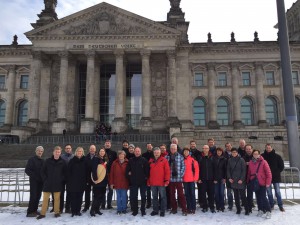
[[134, 197], [262, 201], [219, 195], [173, 187], [161, 190], [229, 197], [36, 188], [277, 194], [189, 191], [121, 200]]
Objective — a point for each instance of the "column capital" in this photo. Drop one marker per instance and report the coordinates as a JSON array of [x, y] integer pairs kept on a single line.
[[258, 65], [234, 65], [211, 66], [64, 54], [11, 68], [171, 54], [119, 53], [36, 54], [145, 52], [90, 54]]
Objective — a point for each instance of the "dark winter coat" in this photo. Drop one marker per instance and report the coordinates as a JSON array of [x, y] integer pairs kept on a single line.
[[213, 150], [33, 168], [117, 175], [67, 157], [159, 172], [220, 166], [247, 159], [276, 165], [195, 153], [54, 174], [241, 152], [89, 162], [206, 167], [76, 179], [148, 155], [128, 154], [236, 170], [112, 156], [137, 171]]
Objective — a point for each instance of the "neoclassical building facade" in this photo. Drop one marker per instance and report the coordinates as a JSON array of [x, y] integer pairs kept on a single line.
[[107, 65]]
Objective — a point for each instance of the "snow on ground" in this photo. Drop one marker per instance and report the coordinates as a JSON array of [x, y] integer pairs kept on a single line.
[[17, 215]]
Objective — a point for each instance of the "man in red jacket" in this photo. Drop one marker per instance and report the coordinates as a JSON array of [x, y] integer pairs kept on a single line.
[[158, 180]]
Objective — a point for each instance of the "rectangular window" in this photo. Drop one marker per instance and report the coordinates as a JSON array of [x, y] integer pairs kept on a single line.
[[2, 82], [24, 82], [270, 78], [246, 78], [198, 79], [222, 79], [295, 77]]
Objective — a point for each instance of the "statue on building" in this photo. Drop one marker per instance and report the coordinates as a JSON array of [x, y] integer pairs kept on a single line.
[[50, 5], [175, 4], [48, 15]]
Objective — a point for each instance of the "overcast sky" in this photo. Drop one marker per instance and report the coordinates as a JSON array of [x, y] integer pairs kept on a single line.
[[220, 17]]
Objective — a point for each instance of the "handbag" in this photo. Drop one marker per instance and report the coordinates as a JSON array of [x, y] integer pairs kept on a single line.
[[254, 184]]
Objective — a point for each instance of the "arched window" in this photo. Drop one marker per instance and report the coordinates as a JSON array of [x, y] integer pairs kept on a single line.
[[297, 101], [23, 113], [199, 112], [271, 111], [247, 111], [223, 111], [2, 112]]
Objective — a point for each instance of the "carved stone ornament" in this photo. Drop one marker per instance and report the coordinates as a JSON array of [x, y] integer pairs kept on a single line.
[[105, 24]]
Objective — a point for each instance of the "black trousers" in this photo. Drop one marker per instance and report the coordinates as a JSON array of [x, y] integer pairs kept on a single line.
[[87, 196], [240, 194], [98, 193], [249, 197], [76, 201], [134, 197], [207, 186], [149, 200], [36, 188], [62, 199]]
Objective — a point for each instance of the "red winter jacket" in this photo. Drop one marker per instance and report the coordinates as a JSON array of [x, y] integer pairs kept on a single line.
[[159, 172], [117, 175], [189, 176], [264, 174]]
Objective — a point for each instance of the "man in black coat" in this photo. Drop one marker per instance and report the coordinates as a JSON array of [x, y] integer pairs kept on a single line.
[[148, 155], [33, 170], [248, 157], [137, 172], [112, 156], [276, 165], [53, 173], [87, 192]]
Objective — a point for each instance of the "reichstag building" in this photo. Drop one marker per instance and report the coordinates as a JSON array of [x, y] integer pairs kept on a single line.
[[108, 65]]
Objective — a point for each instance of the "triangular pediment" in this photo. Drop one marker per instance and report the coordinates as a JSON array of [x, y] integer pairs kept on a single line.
[[103, 20]]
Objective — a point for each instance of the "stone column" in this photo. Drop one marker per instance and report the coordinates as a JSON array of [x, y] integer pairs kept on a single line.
[[146, 123], [61, 122], [173, 121], [97, 91], [212, 107], [261, 112], [11, 83], [88, 124], [34, 87], [237, 123], [119, 124]]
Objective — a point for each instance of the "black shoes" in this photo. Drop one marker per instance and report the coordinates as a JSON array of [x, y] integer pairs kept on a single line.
[[162, 214], [40, 217], [281, 209], [134, 213], [204, 210], [238, 211], [99, 213], [173, 211], [85, 210], [213, 211], [153, 213], [143, 213], [148, 206], [109, 207], [67, 210], [57, 215], [92, 213]]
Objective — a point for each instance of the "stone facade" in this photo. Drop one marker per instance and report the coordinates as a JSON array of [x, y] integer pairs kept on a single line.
[[105, 34]]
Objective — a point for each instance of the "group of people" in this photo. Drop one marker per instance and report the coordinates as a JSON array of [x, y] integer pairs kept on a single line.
[[158, 174]]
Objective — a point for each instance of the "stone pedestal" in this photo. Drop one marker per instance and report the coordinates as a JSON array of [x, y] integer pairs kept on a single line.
[[263, 124], [33, 123], [237, 124], [146, 125], [59, 125], [213, 125], [119, 125], [174, 125], [87, 126]]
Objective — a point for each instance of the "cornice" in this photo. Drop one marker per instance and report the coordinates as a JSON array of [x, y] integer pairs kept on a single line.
[[15, 52]]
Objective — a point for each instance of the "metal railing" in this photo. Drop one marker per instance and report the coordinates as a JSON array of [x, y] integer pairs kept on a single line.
[[94, 138], [14, 185]]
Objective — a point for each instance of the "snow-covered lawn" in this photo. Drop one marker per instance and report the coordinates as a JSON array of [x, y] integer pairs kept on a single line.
[[17, 215]]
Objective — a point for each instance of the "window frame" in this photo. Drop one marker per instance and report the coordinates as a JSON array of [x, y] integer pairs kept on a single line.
[[21, 81], [222, 82], [270, 82], [249, 78], [198, 83]]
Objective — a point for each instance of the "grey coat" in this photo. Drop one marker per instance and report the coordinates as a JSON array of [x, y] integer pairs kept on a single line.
[[236, 170]]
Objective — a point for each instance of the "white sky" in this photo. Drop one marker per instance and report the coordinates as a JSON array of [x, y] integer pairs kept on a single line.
[[220, 17]]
